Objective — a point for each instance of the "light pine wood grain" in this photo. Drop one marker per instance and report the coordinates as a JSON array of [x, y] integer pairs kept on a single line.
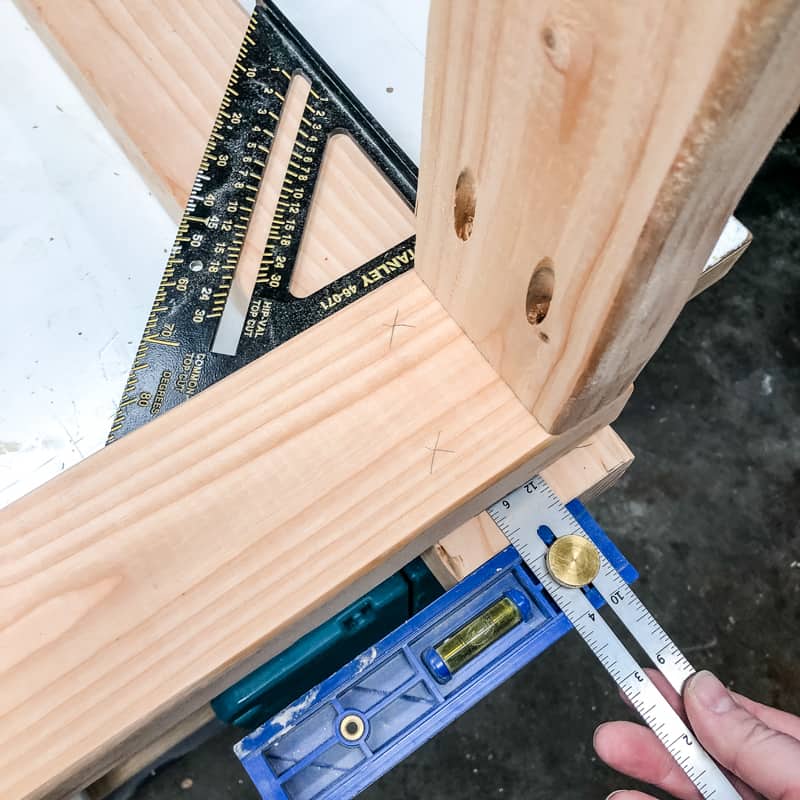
[[332, 251], [134, 93], [153, 71], [610, 139], [583, 473], [154, 573]]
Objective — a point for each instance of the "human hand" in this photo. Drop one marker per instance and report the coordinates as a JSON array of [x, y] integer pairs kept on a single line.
[[758, 745]]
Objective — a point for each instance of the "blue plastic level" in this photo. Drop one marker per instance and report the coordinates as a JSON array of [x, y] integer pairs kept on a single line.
[[390, 694]]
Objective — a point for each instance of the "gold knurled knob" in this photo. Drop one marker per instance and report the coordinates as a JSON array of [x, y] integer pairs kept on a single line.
[[573, 561]]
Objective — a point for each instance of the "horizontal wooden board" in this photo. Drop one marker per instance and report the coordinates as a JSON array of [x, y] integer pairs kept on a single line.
[[158, 570], [583, 473]]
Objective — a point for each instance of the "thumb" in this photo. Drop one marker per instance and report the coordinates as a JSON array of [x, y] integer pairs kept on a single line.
[[763, 758]]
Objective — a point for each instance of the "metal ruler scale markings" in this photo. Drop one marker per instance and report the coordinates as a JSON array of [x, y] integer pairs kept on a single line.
[[521, 515]]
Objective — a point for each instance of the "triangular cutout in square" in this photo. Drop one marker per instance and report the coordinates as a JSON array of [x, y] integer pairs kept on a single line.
[[355, 215]]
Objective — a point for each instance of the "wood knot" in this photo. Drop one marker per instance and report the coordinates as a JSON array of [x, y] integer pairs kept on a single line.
[[464, 203], [557, 45], [540, 292]]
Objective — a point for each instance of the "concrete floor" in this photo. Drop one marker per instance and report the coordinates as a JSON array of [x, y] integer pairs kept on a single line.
[[708, 513]]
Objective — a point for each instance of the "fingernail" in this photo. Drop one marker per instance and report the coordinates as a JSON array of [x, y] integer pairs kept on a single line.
[[710, 693], [615, 794], [596, 732]]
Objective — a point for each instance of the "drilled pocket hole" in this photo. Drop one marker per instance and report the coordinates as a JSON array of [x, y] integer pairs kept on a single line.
[[464, 204], [540, 292]]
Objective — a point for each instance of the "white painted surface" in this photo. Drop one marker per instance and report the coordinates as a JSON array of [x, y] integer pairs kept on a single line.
[[373, 45], [83, 242]]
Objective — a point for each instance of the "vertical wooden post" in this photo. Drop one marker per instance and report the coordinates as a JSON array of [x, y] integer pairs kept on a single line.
[[579, 162]]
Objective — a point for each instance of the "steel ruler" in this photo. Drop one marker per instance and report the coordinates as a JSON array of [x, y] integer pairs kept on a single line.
[[533, 519]]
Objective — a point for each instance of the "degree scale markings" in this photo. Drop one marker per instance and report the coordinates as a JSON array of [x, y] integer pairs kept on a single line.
[[210, 208], [176, 357], [519, 516], [298, 186]]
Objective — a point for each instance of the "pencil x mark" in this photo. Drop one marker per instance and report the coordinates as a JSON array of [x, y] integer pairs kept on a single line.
[[436, 449], [394, 326]]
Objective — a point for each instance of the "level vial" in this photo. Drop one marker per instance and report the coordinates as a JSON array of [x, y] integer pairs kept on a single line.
[[469, 641]]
